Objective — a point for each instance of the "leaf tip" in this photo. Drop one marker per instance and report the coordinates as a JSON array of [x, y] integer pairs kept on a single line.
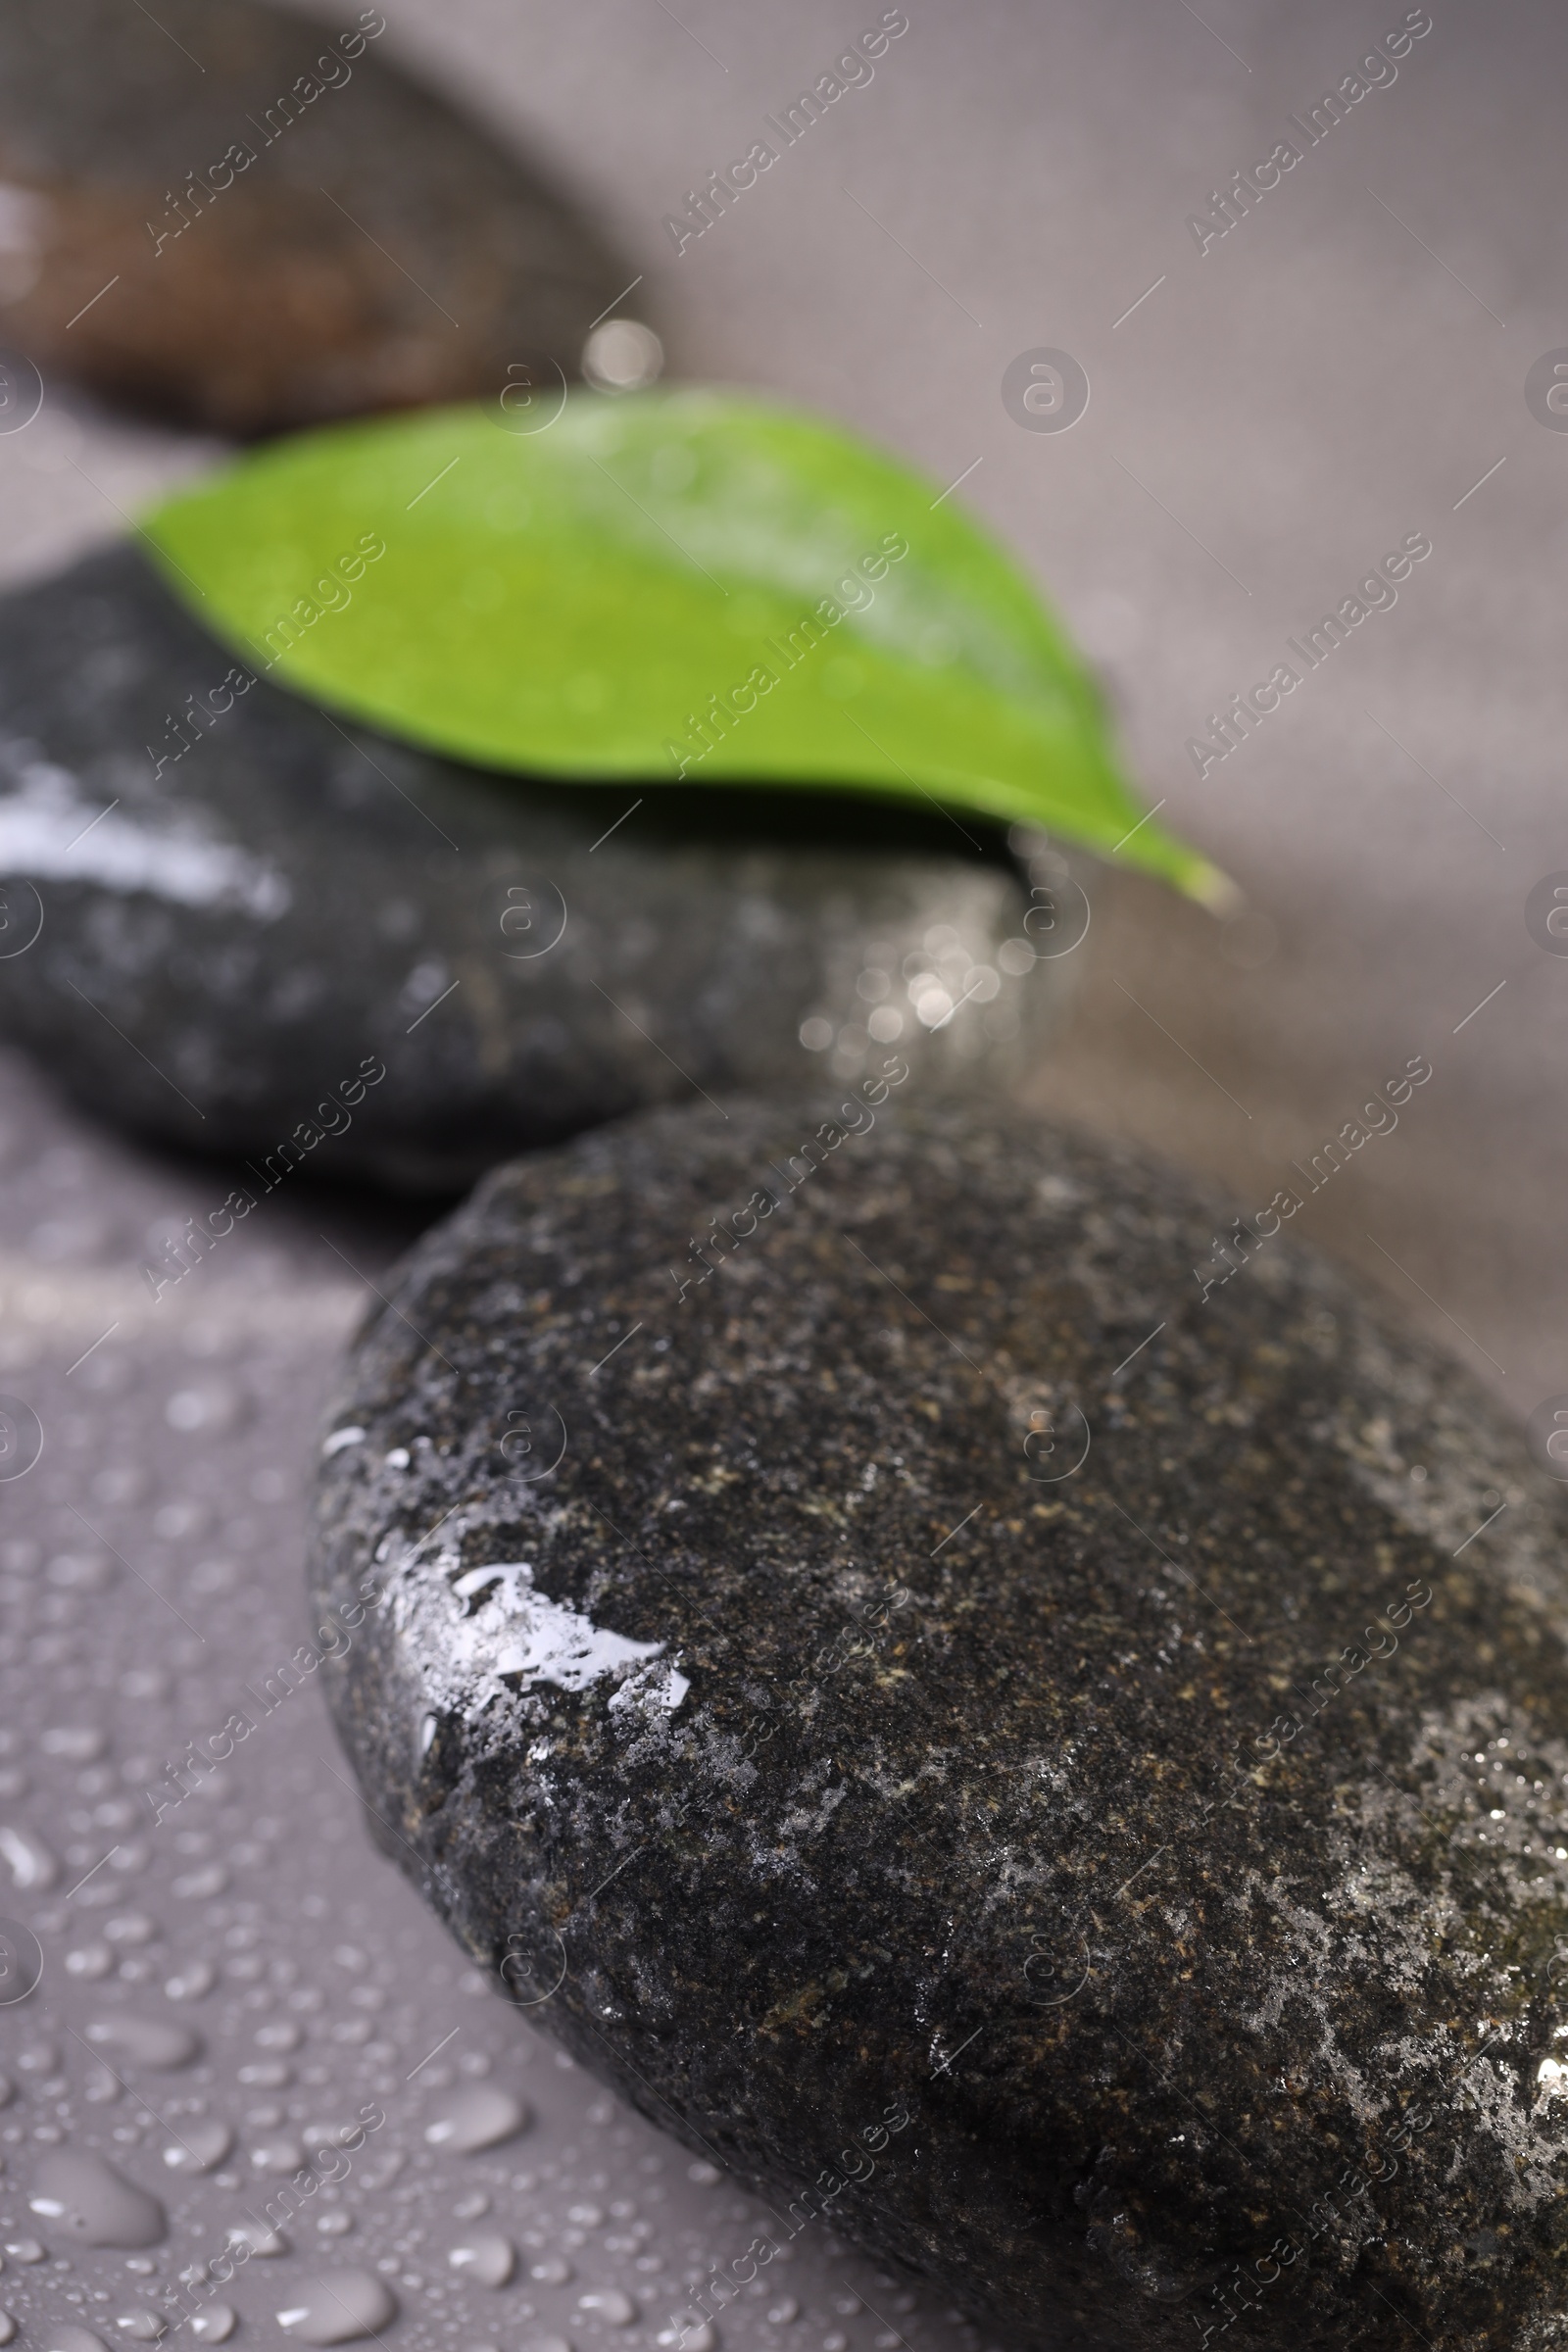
[[1214, 889]]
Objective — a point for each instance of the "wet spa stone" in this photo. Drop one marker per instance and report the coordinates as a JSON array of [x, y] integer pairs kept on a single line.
[[1085, 1813], [243, 221], [222, 911]]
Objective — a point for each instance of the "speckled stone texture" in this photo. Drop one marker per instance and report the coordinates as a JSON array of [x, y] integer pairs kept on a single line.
[[850, 1689], [271, 225], [242, 909]]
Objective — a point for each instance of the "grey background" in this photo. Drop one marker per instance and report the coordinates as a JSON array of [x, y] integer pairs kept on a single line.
[[1276, 414]]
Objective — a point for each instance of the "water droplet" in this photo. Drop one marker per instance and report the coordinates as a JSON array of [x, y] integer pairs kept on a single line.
[[469, 2209], [133, 1928], [586, 2216], [695, 2337], [8, 2090], [197, 1885], [145, 2041], [193, 1979], [783, 2311], [481, 2116], [278, 2156], [51, 2338], [24, 2249], [8, 2327], [258, 2241], [216, 2325], [487, 2257], [76, 1743], [201, 2147], [142, 2327], [215, 1407], [336, 2306], [335, 2224], [547, 2343], [82, 2197], [80, 1571], [32, 1865], [89, 1962], [145, 1682], [554, 2271], [611, 2306]]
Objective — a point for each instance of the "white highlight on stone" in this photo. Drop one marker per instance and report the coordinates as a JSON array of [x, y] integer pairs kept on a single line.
[[341, 1437], [654, 1689], [482, 1639], [49, 832], [545, 1640]]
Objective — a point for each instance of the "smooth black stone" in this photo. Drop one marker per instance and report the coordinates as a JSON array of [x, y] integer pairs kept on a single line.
[[352, 901], [1212, 1957], [378, 248]]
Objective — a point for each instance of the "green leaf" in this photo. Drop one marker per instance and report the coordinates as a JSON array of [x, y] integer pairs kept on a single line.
[[670, 583]]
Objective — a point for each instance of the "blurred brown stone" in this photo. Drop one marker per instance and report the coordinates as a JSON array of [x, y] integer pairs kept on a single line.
[[236, 220]]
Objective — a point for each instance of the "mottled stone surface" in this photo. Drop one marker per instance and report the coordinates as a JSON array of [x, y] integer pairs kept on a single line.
[[1144, 1868], [243, 902], [272, 223]]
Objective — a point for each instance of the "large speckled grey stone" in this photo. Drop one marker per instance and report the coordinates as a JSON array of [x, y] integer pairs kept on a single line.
[[896, 1718], [240, 911], [249, 222]]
